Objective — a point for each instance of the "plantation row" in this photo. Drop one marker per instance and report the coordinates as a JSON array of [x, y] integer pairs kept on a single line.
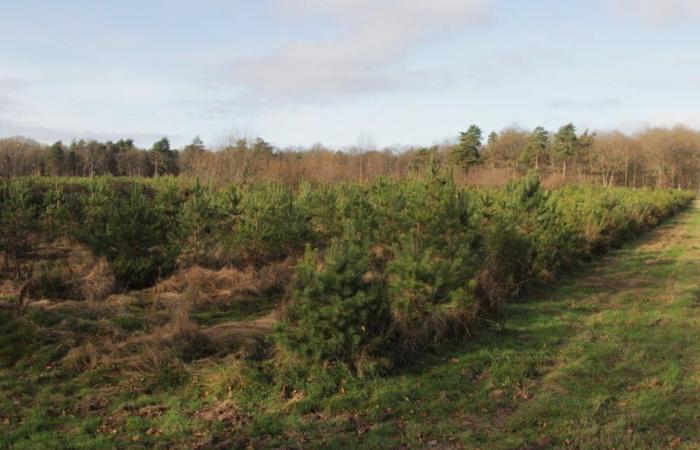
[[385, 269]]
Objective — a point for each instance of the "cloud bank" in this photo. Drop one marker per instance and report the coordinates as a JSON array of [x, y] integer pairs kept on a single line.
[[362, 58]]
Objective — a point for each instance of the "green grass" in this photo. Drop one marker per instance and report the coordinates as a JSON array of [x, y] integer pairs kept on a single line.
[[609, 358]]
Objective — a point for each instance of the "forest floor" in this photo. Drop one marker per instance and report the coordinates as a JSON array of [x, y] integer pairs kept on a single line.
[[609, 358]]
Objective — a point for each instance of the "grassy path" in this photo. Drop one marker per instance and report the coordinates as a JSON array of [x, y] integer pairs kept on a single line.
[[609, 359]]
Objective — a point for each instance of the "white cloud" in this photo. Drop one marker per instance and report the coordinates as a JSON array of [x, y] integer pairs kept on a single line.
[[372, 37], [659, 11]]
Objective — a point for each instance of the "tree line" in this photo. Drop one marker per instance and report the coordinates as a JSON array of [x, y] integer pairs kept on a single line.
[[656, 157]]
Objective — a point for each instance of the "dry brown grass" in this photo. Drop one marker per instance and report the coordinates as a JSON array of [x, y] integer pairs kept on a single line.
[[179, 339], [7, 288], [143, 352], [247, 332], [491, 290], [437, 326], [62, 263], [210, 285], [119, 300], [90, 356], [98, 283], [206, 285], [223, 412]]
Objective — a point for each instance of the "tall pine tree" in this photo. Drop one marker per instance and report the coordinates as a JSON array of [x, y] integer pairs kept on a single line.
[[466, 153], [565, 145]]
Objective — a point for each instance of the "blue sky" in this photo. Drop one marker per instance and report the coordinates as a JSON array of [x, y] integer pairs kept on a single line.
[[297, 72]]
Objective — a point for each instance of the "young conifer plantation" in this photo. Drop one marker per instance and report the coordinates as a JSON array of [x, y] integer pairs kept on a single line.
[[176, 312]]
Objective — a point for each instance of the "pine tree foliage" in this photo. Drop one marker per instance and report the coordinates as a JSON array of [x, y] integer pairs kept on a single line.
[[339, 308], [391, 268], [18, 218], [466, 153], [205, 220]]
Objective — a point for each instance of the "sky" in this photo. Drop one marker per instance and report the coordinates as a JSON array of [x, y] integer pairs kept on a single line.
[[343, 72]]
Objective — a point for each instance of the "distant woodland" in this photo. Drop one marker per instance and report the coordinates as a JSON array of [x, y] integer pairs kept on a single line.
[[656, 157]]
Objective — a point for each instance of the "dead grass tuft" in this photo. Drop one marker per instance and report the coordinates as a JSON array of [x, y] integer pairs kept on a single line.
[[98, 283], [119, 301], [89, 357], [63, 269], [212, 286], [441, 324], [208, 285], [90, 277], [491, 290], [247, 332], [179, 339]]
